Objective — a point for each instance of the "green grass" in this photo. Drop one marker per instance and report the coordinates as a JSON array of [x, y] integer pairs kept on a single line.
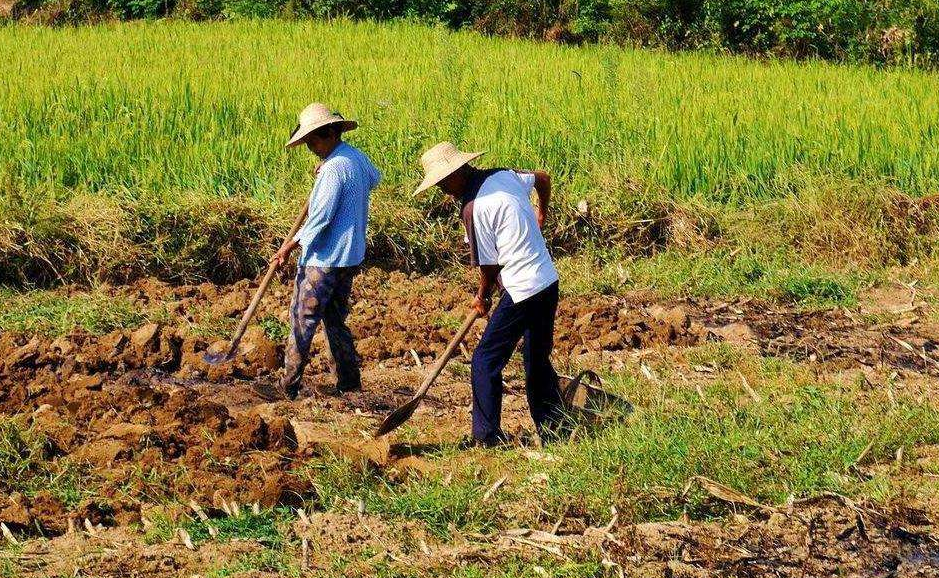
[[211, 325], [54, 314], [27, 467], [8, 555], [22, 451], [267, 528], [717, 273], [800, 439], [436, 501], [159, 151], [264, 527]]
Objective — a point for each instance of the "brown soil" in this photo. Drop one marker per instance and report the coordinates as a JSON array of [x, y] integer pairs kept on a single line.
[[142, 399], [826, 536]]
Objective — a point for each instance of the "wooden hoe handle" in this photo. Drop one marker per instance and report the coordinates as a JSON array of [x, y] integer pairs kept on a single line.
[[262, 288], [448, 353]]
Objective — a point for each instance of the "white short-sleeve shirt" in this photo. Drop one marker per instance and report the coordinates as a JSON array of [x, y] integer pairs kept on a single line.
[[501, 229]]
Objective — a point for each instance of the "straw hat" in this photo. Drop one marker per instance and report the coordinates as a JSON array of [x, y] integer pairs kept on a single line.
[[440, 161], [313, 117]]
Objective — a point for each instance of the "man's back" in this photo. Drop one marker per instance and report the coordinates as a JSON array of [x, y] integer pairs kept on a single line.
[[502, 230]]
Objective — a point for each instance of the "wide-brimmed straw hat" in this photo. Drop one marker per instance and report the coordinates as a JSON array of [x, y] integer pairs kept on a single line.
[[440, 161], [313, 117]]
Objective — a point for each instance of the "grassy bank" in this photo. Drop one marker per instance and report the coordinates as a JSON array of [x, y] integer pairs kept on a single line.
[[801, 437], [157, 148]]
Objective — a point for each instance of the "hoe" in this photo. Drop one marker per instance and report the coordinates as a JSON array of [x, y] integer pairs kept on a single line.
[[404, 413], [227, 355], [583, 400]]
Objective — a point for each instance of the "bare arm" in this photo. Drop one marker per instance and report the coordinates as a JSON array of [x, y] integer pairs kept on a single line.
[[488, 277], [543, 192]]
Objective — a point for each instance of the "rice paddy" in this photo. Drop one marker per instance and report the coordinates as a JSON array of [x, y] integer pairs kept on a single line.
[[113, 127], [775, 224]]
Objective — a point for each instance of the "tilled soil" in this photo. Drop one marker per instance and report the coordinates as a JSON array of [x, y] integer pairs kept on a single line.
[[142, 399]]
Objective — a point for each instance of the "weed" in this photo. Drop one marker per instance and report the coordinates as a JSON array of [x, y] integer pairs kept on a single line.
[[22, 454], [212, 326], [275, 329], [27, 467], [52, 313], [264, 527], [448, 321], [8, 556]]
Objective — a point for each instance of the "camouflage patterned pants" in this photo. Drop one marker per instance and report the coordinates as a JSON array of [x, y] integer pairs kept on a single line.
[[321, 294]]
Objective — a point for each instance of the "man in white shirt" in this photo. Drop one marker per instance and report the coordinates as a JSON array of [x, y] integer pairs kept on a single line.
[[503, 230]]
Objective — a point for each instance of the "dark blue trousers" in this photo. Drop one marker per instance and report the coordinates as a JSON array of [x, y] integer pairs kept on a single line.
[[533, 320]]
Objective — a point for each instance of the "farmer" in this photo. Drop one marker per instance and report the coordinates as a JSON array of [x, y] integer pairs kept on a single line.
[[503, 230], [332, 245]]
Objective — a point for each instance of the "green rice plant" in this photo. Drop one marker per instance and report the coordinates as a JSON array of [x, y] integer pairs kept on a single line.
[[157, 148]]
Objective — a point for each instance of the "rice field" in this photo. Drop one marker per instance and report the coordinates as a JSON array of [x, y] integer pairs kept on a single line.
[[128, 120], [786, 404]]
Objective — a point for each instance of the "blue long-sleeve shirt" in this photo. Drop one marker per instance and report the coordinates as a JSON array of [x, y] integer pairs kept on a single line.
[[334, 232]]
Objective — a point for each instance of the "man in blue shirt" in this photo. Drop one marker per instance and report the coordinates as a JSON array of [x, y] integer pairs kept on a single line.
[[332, 246]]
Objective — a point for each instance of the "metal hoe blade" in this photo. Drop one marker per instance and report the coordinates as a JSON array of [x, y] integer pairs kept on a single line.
[[398, 417], [217, 358], [404, 413]]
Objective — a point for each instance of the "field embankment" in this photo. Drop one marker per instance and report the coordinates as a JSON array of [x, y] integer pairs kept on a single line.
[[137, 150]]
